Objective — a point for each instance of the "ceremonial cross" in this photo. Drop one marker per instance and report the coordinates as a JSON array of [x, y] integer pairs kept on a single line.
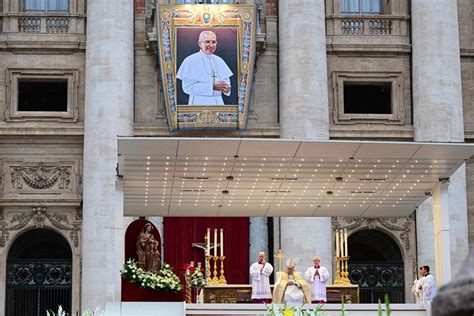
[[214, 76], [279, 256]]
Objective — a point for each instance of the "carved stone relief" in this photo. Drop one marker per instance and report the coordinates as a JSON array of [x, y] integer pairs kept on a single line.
[[40, 177], [39, 216], [46, 180], [401, 227]]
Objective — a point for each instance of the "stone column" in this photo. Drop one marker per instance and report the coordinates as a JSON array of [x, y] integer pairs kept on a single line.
[[437, 94], [304, 114], [438, 111], [108, 113], [303, 70], [470, 202], [441, 233], [258, 238]]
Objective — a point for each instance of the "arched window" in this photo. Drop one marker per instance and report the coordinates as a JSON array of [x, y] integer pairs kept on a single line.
[[39, 274], [361, 7], [46, 6]]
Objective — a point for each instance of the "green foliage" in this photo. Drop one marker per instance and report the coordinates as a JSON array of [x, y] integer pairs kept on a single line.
[[343, 307], [165, 280], [388, 311]]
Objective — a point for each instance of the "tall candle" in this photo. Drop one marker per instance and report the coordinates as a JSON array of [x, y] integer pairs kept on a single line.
[[208, 241], [345, 242], [341, 237], [337, 243], [215, 242], [222, 242]]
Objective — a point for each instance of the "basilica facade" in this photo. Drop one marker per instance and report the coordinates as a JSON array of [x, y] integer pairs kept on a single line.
[[74, 75]]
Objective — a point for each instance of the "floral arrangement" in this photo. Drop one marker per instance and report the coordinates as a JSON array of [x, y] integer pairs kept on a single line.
[[197, 279], [285, 310], [98, 311], [165, 280]]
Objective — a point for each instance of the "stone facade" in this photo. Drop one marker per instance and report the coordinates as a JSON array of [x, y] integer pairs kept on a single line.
[[42, 154]]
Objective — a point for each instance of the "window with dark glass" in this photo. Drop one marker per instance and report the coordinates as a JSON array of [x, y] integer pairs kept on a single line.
[[42, 96], [367, 98], [361, 7], [46, 5]]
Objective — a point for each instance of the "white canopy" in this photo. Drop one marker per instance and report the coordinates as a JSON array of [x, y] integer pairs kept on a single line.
[[274, 177]]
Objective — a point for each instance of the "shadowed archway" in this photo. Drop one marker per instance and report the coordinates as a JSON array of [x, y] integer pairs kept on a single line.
[[376, 264], [39, 274]]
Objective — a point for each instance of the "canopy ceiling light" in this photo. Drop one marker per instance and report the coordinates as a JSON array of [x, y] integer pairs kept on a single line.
[[262, 177]]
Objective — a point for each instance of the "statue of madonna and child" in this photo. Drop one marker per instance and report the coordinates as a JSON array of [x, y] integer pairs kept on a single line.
[[149, 258]]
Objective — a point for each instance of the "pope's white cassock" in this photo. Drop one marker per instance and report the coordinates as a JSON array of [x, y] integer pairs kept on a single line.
[[261, 280], [317, 283], [198, 73]]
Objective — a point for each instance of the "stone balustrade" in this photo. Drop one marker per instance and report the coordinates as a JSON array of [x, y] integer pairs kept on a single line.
[[382, 33], [25, 23], [367, 25]]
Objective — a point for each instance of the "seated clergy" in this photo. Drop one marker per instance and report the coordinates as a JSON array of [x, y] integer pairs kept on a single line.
[[291, 288]]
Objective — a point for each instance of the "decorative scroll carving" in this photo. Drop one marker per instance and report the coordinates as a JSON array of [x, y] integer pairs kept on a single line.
[[40, 177], [353, 223], [402, 225], [39, 214]]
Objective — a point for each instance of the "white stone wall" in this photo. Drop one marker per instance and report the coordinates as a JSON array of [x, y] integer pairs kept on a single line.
[[258, 238]]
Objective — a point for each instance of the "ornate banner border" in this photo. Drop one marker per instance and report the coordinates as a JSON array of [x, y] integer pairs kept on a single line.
[[169, 17]]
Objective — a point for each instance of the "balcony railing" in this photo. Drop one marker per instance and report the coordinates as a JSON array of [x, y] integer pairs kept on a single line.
[[28, 23], [367, 25]]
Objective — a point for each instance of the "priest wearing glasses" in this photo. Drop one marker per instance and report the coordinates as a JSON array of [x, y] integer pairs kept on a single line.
[[205, 76]]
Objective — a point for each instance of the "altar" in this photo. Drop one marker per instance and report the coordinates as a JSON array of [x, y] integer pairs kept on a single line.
[[241, 293]]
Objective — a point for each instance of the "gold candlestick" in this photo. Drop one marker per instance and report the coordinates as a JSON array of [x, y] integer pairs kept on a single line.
[[188, 290], [222, 279], [342, 271], [208, 270], [338, 279], [346, 271], [215, 279]]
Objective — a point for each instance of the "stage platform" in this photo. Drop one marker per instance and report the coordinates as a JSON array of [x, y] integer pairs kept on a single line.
[[182, 309]]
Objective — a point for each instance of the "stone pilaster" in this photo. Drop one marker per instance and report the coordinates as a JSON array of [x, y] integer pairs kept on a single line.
[[304, 114], [108, 113], [258, 238], [437, 110]]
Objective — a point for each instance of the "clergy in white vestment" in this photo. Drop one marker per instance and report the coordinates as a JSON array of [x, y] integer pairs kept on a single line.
[[205, 76], [426, 285], [260, 273], [317, 276], [291, 288]]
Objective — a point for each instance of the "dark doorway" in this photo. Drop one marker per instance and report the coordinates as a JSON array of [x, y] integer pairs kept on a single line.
[[39, 274], [376, 264]]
